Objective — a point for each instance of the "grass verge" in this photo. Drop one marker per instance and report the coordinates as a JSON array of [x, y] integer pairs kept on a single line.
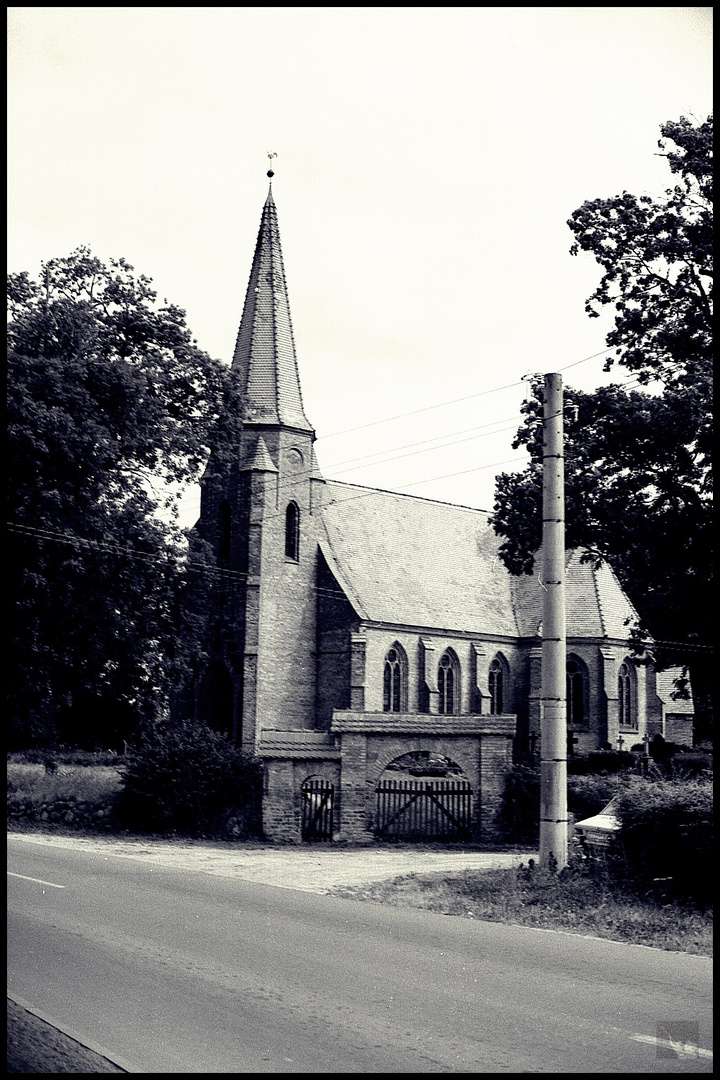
[[582, 900], [33, 782]]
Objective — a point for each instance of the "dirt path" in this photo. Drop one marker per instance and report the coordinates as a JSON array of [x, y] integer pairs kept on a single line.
[[312, 868]]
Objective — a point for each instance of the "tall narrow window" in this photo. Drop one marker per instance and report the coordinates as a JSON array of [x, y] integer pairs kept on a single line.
[[575, 686], [496, 686], [393, 682], [292, 532], [626, 714], [447, 685]]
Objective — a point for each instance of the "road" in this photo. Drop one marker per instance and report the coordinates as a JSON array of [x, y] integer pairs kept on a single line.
[[164, 970]]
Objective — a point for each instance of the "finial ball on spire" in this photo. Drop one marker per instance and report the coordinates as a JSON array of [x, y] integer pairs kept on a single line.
[[270, 173]]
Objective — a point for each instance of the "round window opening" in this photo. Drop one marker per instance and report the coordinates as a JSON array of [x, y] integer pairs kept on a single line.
[[419, 764]]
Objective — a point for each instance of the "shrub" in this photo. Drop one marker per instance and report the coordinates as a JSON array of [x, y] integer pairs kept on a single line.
[[602, 761], [587, 795], [687, 764], [519, 813], [187, 778], [666, 835]]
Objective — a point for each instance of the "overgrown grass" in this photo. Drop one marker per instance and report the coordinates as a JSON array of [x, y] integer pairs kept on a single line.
[[99, 784], [582, 900], [64, 755]]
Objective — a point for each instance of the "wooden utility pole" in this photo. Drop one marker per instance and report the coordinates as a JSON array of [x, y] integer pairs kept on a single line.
[[553, 726]]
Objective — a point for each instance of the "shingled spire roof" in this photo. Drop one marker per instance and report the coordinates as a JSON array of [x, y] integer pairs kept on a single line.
[[265, 349]]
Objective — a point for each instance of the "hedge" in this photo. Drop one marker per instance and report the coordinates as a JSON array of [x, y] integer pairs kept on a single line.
[[187, 778]]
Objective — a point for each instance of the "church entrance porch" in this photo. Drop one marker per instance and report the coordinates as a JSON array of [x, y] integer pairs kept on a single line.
[[352, 758], [474, 752]]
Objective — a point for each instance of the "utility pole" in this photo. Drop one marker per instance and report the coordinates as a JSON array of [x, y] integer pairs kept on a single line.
[[553, 726]]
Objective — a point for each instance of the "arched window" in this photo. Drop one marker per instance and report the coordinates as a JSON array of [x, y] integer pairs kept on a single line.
[[575, 687], [224, 530], [448, 684], [394, 681], [292, 532], [627, 715], [496, 686]]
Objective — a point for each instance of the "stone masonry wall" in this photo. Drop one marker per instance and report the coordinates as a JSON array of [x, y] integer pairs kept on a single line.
[[282, 795], [369, 742]]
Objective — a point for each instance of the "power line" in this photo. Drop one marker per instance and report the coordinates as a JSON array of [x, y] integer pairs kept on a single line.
[[453, 401], [366, 461], [73, 539], [416, 412], [303, 474], [216, 571], [369, 464], [682, 646]]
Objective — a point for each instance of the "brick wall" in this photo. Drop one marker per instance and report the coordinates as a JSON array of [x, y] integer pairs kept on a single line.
[[282, 794], [370, 741]]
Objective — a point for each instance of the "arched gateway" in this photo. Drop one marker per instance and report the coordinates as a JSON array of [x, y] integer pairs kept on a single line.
[[423, 795], [471, 752]]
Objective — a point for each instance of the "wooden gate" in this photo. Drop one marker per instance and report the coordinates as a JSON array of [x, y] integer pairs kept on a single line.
[[317, 809], [423, 809]]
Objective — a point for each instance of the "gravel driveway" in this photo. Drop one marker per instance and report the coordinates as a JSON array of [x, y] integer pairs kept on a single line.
[[311, 868]]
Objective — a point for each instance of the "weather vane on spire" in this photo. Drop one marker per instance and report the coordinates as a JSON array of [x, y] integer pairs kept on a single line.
[[270, 171]]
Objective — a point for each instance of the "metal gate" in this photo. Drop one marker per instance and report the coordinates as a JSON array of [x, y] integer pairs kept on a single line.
[[317, 809], [423, 809]]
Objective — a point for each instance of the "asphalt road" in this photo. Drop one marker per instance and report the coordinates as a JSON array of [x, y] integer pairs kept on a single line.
[[164, 970]]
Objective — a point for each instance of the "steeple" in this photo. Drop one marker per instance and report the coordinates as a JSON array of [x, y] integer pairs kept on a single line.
[[265, 350]]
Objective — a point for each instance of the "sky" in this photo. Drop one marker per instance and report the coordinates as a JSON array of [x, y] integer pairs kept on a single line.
[[428, 160]]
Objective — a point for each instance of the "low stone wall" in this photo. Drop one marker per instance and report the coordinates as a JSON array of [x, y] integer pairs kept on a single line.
[[69, 811]]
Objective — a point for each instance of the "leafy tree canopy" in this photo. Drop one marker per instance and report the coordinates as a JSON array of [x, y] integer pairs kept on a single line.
[[637, 461], [111, 406]]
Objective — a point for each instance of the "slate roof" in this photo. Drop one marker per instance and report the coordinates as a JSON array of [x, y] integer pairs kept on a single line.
[[265, 350], [298, 744], [416, 562], [664, 687], [595, 604]]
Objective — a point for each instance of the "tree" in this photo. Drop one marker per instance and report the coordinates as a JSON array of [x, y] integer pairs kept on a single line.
[[111, 407], [637, 461]]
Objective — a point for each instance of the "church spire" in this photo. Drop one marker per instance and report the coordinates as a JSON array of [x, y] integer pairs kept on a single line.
[[265, 350]]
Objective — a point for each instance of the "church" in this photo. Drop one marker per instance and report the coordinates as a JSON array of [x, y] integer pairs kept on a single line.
[[361, 635]]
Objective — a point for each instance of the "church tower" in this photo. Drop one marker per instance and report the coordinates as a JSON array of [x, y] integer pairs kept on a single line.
[[260, 510]]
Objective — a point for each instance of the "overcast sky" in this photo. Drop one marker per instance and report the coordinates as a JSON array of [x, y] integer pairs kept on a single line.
[[427, 162]]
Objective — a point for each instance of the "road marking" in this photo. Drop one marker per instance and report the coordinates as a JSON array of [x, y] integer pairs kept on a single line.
[[39, 881], [689, 1050]]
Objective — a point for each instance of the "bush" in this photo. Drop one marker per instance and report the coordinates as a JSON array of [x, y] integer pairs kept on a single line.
[[602, 761], [187, 778], [685, 765], [587, 795], [667, 834], [519, 814]]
